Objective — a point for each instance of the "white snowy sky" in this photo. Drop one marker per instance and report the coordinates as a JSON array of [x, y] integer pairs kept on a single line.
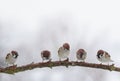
[[30, 26]]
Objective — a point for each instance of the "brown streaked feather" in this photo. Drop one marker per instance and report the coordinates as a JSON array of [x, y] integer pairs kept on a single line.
[[100, 52], [45, 54], [66, 45], [81, 52], [107, 55], [7, 56], [59, 49], [14, 52]]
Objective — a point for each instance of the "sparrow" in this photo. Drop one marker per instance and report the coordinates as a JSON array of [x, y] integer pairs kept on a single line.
[[81, 54], [46, 55], [103, 56], [11, 57], [64, 51]]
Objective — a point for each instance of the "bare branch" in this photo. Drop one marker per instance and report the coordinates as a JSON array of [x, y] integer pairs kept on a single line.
[[15, 69]]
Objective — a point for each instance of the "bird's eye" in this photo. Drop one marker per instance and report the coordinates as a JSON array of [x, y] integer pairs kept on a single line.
[[101, 54]]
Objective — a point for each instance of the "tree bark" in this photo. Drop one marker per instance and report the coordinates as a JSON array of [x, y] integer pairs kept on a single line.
[[51, 64]]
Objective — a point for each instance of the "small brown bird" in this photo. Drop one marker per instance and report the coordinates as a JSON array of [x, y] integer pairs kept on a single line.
[[64, 51], [11, 57], [81, 54], [103, 56], [46, 55]]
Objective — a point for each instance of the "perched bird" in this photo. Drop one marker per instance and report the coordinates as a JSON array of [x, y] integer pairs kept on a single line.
[[11, 57], [64, 51], [103, 56], [46, 55], [81, 54]]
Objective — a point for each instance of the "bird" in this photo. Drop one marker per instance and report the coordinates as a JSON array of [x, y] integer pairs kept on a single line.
[[104, 57], [81, 54], [11, 57], [64, 51], [46, 55]]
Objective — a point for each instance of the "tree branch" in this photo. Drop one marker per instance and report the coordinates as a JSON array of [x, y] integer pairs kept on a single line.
[[15, 69]]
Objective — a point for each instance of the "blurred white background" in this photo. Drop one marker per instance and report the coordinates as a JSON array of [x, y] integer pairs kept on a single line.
[[29, 26]]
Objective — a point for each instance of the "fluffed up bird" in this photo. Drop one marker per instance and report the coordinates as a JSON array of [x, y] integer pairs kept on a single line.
[[46, 55], [64, 51], [81, 54], [103, 56], [11, 57]]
